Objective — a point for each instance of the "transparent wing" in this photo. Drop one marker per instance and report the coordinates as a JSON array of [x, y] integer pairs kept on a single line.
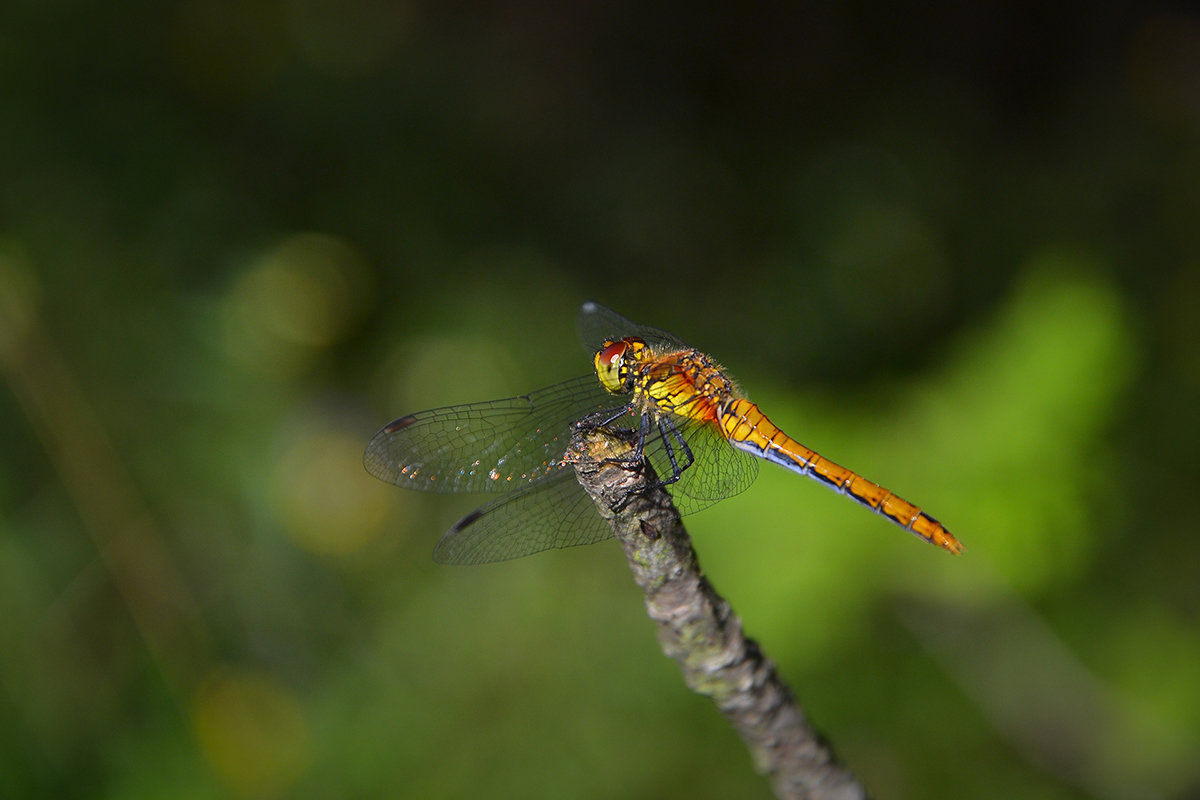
[[718, 470], [552, 512], [494, 446], [598, 323]]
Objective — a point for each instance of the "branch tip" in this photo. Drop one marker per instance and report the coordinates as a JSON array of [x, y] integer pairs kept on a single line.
[[698, 628]]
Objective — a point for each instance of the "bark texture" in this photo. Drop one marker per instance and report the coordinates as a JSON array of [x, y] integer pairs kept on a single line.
[[697, 627]]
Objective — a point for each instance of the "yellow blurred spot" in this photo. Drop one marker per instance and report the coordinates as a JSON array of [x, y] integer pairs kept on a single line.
[[18, 298], [442, 370], [324, 498], [252, 730], [302, 296]]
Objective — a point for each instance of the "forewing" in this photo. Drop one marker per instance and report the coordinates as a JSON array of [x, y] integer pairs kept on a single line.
[[494, 446], [598, 324]]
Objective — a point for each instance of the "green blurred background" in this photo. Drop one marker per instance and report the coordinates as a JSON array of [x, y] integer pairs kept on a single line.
[[953, 246]]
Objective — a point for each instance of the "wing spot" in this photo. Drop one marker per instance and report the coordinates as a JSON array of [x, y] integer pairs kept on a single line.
[[400, 424]]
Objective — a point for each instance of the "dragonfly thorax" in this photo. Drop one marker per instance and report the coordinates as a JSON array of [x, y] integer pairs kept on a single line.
[[616, 363]]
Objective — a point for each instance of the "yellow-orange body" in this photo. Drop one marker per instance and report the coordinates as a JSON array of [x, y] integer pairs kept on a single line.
[[687, 384]]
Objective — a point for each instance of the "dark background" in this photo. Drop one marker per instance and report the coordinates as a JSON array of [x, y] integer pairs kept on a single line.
[[953, 246]]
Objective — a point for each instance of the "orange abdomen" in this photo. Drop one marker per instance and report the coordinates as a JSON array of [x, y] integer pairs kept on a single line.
[[748, 429]]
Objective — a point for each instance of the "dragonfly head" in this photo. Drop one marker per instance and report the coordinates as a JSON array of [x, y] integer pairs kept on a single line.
[[615, 362]]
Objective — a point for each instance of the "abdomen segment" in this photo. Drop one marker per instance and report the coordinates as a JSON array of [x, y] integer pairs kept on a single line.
[[748, 429]]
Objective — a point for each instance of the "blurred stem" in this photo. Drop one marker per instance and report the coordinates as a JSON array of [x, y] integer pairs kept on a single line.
[[698, 629], [128, 540]]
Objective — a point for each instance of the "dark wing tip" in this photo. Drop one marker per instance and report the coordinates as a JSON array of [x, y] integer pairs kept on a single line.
[[467, 520], [452, 550], [376, 457], [399, 424]]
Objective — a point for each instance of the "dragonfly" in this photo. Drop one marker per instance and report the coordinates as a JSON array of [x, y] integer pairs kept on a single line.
[[690, 421]]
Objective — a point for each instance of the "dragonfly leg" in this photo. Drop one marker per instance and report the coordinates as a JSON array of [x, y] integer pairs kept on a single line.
[[672, 438], [679, 453], [604, 417], [639, 449], [598, 419]]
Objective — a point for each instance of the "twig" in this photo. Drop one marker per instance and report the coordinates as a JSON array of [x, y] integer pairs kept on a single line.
[[698, 629]]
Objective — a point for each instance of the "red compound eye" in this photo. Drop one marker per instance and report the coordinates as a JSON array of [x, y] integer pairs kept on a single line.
[[611, 354]]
